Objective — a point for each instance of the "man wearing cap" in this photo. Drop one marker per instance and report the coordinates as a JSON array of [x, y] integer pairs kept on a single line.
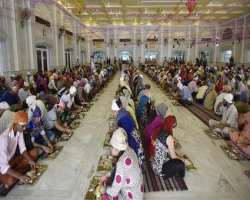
[[69, 99], [229, 117], [185, 93], [53, 123], [24, 92], [32, 103], [39, 138], [13, 166]]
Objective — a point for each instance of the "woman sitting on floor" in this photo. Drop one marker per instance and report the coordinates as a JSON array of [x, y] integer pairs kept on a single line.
[[125, 121], [126, 181], [163, 157], [157, 122], [142, 108]]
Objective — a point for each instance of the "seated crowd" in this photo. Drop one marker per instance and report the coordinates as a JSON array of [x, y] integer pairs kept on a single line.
[[36, 113], [221, 91], [142, 135]]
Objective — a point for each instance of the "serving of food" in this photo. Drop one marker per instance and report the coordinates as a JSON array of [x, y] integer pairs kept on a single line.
[[36, 173], [55, 152]]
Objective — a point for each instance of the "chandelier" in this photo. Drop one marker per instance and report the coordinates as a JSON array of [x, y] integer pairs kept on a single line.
[[191, 5]]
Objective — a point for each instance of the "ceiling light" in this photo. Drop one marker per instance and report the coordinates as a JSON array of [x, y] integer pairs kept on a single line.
[[162, 1]]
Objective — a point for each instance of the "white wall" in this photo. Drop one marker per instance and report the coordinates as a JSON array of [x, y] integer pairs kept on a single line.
[[18, 43]]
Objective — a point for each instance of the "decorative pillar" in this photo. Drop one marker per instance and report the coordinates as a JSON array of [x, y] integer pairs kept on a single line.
[[215, 45], [161, 44], [196, 42], [107, 43], [234, 41], [79, 42], [75, 42], [115, 43], [242, 59], [13, 35], [189, 44], [142, 45], [63, 42], [169, 42], [88, 49], [55, 31], [134, 45]]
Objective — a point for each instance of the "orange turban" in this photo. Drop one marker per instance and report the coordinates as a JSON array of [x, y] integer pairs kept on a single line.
[[21, 118]]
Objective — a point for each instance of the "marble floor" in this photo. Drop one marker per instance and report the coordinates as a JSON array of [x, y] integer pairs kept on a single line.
[[68, 176]]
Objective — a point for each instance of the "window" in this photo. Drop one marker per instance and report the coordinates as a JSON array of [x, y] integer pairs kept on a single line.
[[226, 55], [98, 56], [179, 54], [2, 56], [68, 57], [151, 55], [42, 54], [125, 55], [248, 56]]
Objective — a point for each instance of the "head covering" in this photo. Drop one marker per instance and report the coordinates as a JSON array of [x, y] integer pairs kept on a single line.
[[26, 84], [161, 110], [124, 102], [114, 106], [119, 140], [28, 73], [72, 90], [244, 96], [169, 124], [20, 118], [31, 101], [37, 112], [4, 105], [248, 82], [179, 85], [229, 98]]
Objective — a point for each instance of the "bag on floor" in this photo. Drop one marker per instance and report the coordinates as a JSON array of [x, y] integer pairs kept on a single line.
[[173, 167]]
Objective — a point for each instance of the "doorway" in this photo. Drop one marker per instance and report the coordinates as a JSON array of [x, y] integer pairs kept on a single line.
[[42, 54]]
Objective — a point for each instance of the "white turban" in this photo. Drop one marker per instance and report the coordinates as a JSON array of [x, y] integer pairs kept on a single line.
[[4, 105], [114, 106], [31, 101]]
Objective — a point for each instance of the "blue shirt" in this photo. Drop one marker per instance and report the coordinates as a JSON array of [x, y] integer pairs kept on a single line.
[[186, 94], [10, 98], [125, 121]]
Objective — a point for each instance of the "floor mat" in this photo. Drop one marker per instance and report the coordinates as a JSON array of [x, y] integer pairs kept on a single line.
[[247, 173], [36, 174], [153, 183], [231, 153], [56, 152], [243, 154], [213, 134]]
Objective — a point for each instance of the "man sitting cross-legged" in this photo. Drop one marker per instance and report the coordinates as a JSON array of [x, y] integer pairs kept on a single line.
[[15, 161], [229, 118]]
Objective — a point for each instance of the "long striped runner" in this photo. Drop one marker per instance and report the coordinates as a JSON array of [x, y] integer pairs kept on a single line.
[[203, 116], [153, 183]]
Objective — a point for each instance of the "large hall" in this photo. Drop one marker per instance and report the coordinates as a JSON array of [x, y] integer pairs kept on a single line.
[[124, 99]]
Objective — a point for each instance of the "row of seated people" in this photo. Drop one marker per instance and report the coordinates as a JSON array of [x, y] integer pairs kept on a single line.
[[134, 112], [31, 126], [224, 91]]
